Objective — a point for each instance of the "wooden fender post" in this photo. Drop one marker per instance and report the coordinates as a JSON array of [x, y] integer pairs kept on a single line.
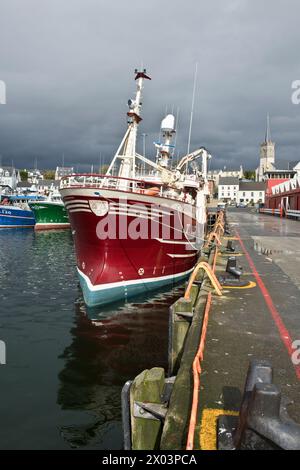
[[147, 387], [181, 314]]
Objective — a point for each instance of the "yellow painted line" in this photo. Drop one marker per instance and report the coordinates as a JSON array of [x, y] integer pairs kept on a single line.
[[208, 430], [230, 238], [249, 286]]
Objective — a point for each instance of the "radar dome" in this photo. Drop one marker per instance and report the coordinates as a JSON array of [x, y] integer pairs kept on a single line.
[[168, 123]]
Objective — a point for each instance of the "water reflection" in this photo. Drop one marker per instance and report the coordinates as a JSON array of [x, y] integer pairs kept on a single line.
[[66, 365], [110, 346]]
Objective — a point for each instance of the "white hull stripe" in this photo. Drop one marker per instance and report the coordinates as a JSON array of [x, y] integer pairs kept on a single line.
[[175, 242], [131, 210], [75, 201], [182, 256], [165, 203], [143, 208], [18, 216], [77, 206], [122, 207], [111, 285], [80, 210], [73, 206]]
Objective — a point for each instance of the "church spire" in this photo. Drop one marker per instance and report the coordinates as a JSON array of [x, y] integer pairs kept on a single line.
[[268, 130]]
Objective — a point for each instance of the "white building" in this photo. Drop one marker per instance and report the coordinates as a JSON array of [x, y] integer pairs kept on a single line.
[[46, 186], [228, 188], [297, 170], [215, 175], [251, 191], [40, 187], [34, 176], [24, 187], [9, 177], [61, 171]]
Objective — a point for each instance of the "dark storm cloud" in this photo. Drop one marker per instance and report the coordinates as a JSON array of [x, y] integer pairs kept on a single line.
[[68, 66]]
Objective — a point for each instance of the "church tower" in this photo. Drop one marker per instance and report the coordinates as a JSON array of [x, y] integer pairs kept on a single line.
[[267, 154]]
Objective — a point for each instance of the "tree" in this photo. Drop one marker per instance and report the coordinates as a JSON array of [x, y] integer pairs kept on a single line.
[[103, 169], [49, 174], [24, 175], [249, 174]]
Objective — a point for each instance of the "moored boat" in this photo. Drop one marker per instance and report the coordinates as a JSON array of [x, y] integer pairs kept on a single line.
[[136, 232], [50, 213], [15, 213]]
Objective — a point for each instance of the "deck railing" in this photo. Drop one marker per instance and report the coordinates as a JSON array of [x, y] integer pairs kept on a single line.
[[104, 181], [138, 186]]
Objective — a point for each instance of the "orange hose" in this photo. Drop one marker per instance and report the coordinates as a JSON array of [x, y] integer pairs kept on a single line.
[[209, 271], [215, 259], [213, 235], [197, 362], [196, 375]]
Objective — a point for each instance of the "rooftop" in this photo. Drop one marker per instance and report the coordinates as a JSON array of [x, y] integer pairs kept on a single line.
[[228, 181], [252, 186]]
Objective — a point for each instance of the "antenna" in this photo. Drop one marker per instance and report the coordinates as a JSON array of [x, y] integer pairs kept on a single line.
[[100, 163], [177, 127], [144, 143], [192, 108]]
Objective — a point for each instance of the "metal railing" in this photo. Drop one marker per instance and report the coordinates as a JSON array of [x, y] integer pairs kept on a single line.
[[149, 188]]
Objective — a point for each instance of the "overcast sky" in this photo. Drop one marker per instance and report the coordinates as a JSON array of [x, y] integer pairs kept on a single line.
[[68, 67]]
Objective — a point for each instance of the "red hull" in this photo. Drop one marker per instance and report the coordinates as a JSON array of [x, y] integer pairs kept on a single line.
[[120, 260]]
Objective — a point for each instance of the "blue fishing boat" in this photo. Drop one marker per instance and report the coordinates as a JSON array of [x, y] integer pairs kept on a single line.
[[15, 213]]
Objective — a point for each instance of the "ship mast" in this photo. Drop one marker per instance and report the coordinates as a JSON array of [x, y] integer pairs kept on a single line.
[[164, 149], [127, 149]]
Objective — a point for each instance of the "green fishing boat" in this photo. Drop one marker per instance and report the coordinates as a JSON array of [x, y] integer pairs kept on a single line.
[[50, 213]]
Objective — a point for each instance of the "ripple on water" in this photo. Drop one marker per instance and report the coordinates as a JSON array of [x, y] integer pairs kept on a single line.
[[66, 363]]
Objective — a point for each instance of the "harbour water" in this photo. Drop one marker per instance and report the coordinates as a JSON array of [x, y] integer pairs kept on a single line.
[[60, 388]]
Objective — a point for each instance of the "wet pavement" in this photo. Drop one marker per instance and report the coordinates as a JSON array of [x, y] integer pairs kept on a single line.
[[242, 326]]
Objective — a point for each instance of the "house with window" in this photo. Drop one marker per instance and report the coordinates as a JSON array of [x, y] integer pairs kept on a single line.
[[34, 176], [40, 187], [215, 175], [9, 177], [228, 188], [251, 192]]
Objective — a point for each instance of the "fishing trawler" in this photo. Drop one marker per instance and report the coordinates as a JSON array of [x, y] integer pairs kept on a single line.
[[15, 213], [50, 213], [137, 231]]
